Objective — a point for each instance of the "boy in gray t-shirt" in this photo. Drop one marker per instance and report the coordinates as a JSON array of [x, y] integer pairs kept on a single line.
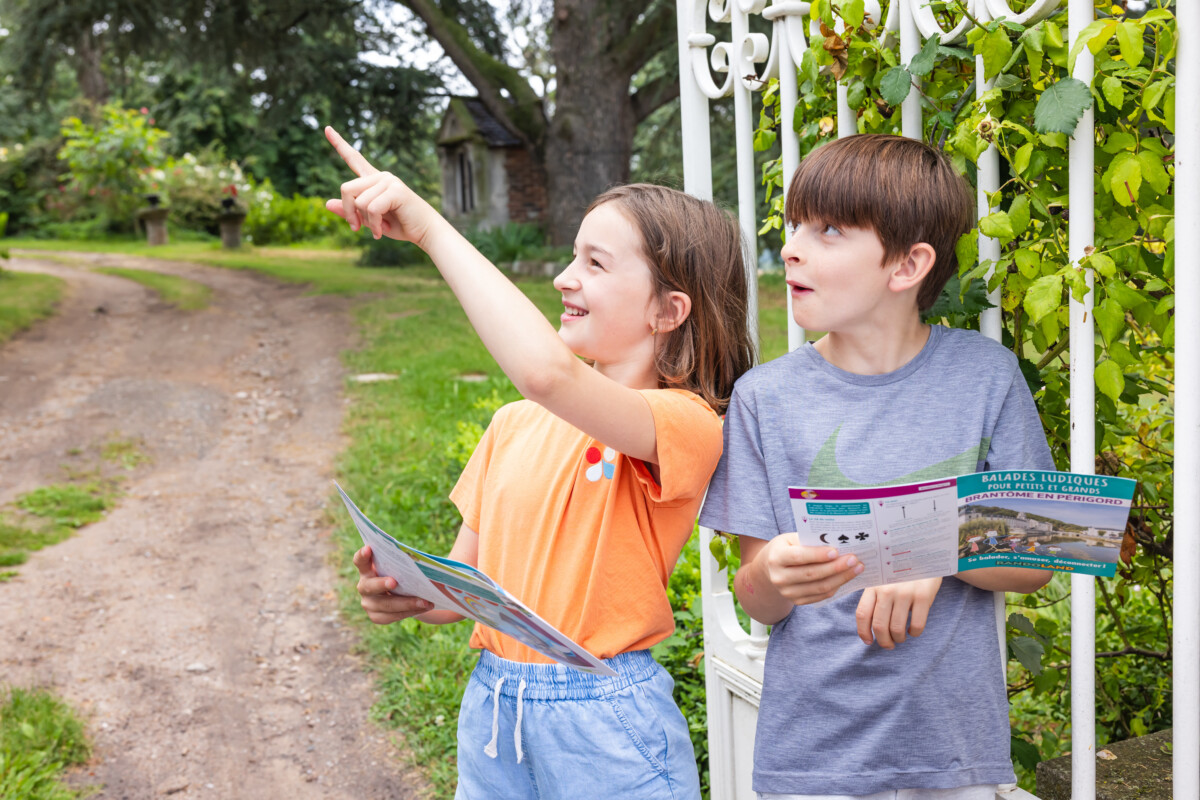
[[851, 706]]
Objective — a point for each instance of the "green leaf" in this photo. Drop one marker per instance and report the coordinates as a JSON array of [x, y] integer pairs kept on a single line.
[[1109, 379], [996, 48], [856, 94], [1028, 263], [1119, 353], [852, 12], [997, 226], [1093, 37], [1018, 213], [1025, 753], [1022, 623], [1126, 180], [1128, 297], [1168, 335], [922, 62], [1043, 296], [1021, 157], [1154, 94], [1169, 110], [1129, 38], [1110, 319], [966, 249], [1114, 91], [1152, 171], [1008, 82], [1047, 680], [1028, 651], [1104, 265], [895, 85], [1118, 141], [1060, 106], [763, 139], [716, 546]]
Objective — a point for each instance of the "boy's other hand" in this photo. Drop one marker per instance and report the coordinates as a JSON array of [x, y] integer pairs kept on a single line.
[[887, 615], [806, 575], [381, 605], [378, 200]]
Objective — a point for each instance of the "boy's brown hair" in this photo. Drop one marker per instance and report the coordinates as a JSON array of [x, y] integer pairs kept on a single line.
[[695, 248], [901, 188]]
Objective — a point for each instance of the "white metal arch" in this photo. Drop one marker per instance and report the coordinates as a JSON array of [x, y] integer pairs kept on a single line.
[[735, 656]]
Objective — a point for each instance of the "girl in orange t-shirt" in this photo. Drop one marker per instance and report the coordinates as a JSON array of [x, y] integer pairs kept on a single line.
[[579, 499]]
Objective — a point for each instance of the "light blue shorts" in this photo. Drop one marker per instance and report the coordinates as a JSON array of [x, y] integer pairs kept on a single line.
[[549, 731]]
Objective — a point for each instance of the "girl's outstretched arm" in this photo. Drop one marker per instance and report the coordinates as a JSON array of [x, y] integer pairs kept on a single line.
[[525, 345]]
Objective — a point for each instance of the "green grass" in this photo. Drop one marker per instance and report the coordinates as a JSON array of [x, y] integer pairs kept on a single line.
[[24, 299], [182, 293], [40, 737], [126, 453], [47, 516]]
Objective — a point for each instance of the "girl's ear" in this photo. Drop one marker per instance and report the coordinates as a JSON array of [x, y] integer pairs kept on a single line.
[[909, 270], [673, 310]]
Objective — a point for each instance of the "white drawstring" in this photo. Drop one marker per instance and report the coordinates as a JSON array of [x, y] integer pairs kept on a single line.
[[489, 749], [517, 732]]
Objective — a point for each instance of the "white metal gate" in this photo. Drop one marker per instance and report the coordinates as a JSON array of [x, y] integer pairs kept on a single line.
[[712, 69]]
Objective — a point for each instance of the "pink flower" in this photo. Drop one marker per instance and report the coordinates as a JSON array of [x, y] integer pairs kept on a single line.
[[144, 110], [152, 120]]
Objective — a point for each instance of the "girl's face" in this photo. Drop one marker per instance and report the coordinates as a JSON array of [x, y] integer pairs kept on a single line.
[[609, 310]]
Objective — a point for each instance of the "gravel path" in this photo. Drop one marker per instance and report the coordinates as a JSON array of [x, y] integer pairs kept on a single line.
[[195, 626]]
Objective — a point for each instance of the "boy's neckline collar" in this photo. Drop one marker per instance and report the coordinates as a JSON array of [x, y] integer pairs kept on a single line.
[[915, 363]]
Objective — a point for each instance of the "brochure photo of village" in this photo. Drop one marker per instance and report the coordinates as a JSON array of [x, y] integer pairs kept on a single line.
[[1056, 529]]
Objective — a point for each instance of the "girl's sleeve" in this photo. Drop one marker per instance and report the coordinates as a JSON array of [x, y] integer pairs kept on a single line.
[[467, 494], [688, 435]]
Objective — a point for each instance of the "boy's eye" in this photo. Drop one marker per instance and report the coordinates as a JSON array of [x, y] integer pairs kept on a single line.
[[831, 230]]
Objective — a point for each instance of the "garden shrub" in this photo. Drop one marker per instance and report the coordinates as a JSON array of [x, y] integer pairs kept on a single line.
[[108, 162], [272, 218], [194, 185], [506, 243]]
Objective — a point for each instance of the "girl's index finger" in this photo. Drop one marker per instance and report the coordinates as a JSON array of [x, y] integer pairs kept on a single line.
[[354, 159]]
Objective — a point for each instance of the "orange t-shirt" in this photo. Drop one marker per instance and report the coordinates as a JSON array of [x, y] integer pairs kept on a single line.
[[581, 534]]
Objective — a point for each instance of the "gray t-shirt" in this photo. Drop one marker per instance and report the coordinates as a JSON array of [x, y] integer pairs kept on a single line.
[[838, 716]]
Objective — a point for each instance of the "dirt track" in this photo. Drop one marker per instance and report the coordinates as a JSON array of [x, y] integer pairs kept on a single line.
[[195, 627]]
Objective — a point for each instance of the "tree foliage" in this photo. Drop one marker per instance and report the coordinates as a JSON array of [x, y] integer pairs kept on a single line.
[[1028, 116]]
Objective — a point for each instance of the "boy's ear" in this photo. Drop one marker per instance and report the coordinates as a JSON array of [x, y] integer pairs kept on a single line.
[[673, 310], [909, 270]]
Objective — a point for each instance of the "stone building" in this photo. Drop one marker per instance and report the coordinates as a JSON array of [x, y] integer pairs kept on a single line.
[[488, 175]]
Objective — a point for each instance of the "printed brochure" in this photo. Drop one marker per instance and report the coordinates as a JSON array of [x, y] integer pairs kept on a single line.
[[1036, 519], [461, 588]]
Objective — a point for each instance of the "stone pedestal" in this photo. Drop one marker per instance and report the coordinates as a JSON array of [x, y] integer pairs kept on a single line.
[[1138, 768], [231, 229], [154, 220]]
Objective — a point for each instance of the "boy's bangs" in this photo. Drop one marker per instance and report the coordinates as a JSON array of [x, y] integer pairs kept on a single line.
[[833, 190]]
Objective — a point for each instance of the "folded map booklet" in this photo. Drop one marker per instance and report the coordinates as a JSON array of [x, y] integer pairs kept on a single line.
[[462, 588], [1031, 518]]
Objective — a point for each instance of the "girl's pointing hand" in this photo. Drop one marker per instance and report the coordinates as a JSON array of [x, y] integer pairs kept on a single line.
[[378, 200]]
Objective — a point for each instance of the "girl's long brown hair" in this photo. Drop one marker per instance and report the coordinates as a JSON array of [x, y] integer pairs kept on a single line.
[[695, 248]]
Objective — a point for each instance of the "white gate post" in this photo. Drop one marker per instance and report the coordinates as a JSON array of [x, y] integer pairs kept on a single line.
[[1185, 649]]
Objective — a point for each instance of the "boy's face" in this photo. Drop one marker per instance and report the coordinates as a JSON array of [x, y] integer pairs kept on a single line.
[[836, 277]]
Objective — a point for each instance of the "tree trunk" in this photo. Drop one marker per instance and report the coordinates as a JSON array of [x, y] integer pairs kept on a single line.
[[87, 70], [590, 137]]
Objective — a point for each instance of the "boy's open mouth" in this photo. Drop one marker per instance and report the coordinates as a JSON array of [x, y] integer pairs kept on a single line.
[[573, 311], [798, 288]]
